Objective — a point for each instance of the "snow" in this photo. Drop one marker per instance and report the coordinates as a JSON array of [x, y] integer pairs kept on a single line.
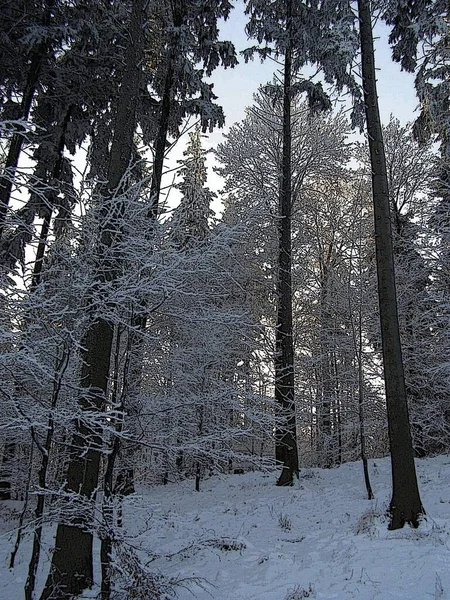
[[243, 538]]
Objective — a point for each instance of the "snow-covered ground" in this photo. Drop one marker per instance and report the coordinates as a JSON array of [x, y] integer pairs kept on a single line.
[[243, 538]]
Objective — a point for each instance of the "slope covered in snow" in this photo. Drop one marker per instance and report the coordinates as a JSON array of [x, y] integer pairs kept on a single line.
[[242, 538]]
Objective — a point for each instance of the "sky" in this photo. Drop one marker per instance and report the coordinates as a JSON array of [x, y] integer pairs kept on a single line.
[[235, 87]]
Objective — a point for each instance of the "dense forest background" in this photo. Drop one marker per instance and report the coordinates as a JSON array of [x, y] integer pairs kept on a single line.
[[144, 339]]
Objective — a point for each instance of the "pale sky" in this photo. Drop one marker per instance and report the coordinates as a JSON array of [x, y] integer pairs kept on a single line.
[[235, 87]]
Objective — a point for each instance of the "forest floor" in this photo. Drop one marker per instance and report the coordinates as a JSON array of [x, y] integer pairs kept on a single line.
[[243, 538]]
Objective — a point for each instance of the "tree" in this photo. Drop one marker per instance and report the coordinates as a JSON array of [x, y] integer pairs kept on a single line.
[[251, 159], [37, 49], [405, 506], [190, 223], [410, 169], [71, 568], [70, 573], [330, 259], [420, 40], [280, 28], [286, 448], [198, 408]]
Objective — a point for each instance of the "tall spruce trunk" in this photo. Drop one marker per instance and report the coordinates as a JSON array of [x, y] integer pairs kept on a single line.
[[405, 506], [71, 570], [286, 442]]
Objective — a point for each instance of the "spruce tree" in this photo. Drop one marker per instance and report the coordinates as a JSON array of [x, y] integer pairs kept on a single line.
[[405, 506], [301, 34]]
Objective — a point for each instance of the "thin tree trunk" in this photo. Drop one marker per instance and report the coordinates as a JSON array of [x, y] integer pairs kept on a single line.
[[15, 146], [361, 419], [72, 569], [106, 544], [198, 475], [358, 348], [42, 477], [324, 409], [23, 512], [362, 432], [286, 442], [56, 174], [406, 505], [6, 470]]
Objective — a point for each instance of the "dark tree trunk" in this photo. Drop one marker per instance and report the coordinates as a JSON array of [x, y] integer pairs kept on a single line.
[[106, 546], [23, 512], [406, 506], [286, 442], [6, 470], [358, 347], [72, 570], [198, 476], [361, 420], [15, 147], [45, 229], [324, 409], [42, 477]]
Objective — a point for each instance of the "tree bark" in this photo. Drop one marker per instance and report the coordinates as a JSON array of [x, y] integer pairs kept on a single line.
[[286, 442], [405, 506], [6, 470]]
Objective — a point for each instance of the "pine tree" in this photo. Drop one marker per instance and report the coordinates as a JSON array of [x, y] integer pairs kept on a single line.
[[420, 39], [37, 47], [301, 34], [71, 568], [190, 223], [71, 573], [410, 169]]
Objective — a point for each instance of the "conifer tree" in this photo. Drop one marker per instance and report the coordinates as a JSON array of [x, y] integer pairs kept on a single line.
[[71, 570], [183, 92], [406, 505], [37, 39], [301, 34], [190, 223]]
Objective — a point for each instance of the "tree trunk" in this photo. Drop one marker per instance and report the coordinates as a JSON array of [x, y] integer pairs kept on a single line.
[[325, 429], [361, 419], [139, 321], [45, 451], [286, 443], [45, 229], [406, 506], [71, 570], [6, 470], [15, 146]]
